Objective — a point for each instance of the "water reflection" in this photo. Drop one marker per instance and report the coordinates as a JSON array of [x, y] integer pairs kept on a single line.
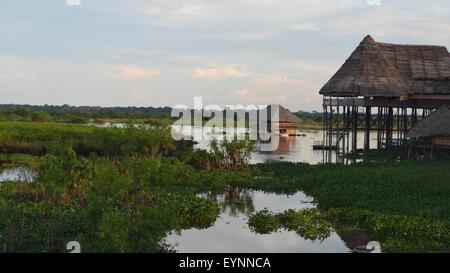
[[291, 149], [17, 174], [355, 240], [231, 233], [235, 201]]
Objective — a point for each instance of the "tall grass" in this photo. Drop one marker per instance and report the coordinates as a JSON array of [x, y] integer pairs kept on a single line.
[[39, 138]]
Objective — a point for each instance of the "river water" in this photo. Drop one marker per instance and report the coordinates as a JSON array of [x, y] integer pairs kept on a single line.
[[290, 149], [230, 233], [17, 174]]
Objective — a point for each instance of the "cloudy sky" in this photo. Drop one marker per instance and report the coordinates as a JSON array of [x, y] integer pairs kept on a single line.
[[163, 53]]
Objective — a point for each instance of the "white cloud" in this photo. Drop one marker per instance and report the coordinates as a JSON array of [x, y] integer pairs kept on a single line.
[[16, 77], [279, 80], [128, 71], [276, 88], [215, 72], [73, 2], [313, 67], [305, 26], [241, 93], [190, 11], [374, 2], [153, 10]]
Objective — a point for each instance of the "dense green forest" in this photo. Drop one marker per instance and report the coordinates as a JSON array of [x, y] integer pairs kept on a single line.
[[81, 114], [78, 114]]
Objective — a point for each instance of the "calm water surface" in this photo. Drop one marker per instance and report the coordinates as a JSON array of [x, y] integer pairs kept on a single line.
[[17, 174], [290, 149], [230, 233]]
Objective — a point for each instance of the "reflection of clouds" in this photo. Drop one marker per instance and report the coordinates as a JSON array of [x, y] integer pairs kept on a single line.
[[292, 149], [17, 174], [230, 233]]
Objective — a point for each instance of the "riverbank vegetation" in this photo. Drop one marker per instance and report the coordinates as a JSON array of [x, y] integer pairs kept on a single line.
[[404, 205], [125, 189]]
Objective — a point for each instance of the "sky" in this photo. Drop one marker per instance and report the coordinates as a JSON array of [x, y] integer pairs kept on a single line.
[[165, 53]]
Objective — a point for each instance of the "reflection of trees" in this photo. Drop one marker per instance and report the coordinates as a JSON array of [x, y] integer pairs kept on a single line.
[[236, 201], [355, 240]]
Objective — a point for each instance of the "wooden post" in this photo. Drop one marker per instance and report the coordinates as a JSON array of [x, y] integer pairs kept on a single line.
[[354, 128], [405, 124], [367, 129], [338, 131], [389, 127], [379, 124], [348, 128]]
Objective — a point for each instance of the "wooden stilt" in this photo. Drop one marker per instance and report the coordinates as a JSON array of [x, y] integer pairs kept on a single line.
[[367, 129]]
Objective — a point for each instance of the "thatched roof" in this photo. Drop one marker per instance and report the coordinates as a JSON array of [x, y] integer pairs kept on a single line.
[[285, 114], [392, 70], [436, 124]]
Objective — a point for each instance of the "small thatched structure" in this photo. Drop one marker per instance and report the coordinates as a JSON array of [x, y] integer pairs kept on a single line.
[[287, 116], [287, 121], [432, 134], [435, 125], [392, 70]]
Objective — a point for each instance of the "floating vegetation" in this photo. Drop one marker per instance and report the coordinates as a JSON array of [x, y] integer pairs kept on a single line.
[[307, 223]]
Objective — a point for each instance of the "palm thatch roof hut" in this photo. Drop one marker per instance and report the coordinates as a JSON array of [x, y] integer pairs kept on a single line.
[[377, 69], [287, 116], [404, 83], [287, 122]]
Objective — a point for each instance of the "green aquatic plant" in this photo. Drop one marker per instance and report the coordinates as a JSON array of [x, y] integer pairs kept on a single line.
[[398, 233], [307, 223], [193, 211], [403, 205], [264, 222]]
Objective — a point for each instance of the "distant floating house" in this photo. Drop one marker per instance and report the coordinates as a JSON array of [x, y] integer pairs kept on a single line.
[[431, 136], [287, 123], [395, 85]]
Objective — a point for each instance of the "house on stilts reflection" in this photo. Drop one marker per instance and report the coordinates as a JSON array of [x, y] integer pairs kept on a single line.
[[384, 90]]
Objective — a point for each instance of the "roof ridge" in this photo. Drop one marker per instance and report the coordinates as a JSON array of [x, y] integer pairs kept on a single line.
[[410, 45]]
